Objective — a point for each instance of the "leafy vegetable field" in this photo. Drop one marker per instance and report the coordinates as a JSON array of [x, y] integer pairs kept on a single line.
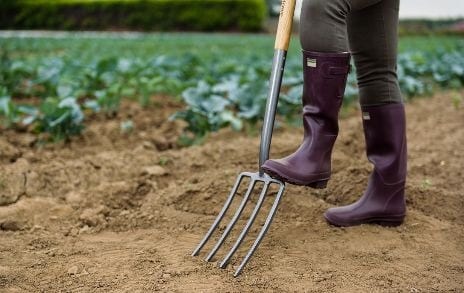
[[50, 84]]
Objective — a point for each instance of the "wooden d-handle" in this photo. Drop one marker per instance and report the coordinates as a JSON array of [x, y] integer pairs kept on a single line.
[[284, 29]]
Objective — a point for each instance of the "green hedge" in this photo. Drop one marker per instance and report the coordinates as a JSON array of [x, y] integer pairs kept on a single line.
[[430, 27], [164, 15]]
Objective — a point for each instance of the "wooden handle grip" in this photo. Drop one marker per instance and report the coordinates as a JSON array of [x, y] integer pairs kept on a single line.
[[284, 29]]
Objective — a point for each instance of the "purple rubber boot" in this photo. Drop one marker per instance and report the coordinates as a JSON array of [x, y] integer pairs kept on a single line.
[[383, 201], [325, 77]]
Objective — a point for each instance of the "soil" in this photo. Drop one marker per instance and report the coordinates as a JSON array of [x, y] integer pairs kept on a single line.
[[121, 212]]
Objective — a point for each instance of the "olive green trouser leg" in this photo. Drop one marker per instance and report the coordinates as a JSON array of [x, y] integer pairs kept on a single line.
[[366, 28]]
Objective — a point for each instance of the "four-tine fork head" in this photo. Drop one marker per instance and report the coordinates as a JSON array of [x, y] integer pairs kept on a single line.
[[254, 179]]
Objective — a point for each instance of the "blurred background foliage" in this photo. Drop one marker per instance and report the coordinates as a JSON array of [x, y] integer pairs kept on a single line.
[[185, 15], [170, 15], [50, 83]]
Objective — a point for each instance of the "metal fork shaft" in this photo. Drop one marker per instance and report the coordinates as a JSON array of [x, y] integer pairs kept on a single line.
[[275, 84]]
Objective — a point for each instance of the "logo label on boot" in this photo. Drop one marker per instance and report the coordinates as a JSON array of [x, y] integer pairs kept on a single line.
[[366, 116], [311, 62]]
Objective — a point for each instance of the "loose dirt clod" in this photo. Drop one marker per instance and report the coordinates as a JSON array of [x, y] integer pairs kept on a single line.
[[74, 270], [94, 216], [10, 225], [13, 181], [8, 152], [154, 171], [74, 198]]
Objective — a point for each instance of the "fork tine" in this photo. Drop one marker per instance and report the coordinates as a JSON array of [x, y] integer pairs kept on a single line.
[[245, 230], [263, 230], [233, 220], [220, 215]]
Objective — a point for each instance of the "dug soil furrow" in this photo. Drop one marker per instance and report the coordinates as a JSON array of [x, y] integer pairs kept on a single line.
[[121, 212]]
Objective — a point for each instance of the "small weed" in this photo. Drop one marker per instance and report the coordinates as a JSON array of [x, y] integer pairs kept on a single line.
[[2, 184], [163, 161], [127, 126], [456, 99], [426, 183]]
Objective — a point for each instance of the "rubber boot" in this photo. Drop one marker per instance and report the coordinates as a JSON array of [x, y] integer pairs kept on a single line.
[[383, 201], [324, 76]]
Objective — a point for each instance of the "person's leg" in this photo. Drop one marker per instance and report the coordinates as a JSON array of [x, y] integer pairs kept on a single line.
[[323, 23], [373, 41], [326, 61]]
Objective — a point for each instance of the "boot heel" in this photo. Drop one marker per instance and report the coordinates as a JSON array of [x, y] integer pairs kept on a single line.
[[318, 184]]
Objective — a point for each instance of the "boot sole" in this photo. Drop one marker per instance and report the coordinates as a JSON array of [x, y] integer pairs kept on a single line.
[[393, 221], [321, 184]]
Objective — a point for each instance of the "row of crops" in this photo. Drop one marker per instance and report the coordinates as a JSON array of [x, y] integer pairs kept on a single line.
[[51, 85]]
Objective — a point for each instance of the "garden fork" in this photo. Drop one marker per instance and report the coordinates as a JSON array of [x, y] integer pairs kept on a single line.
[[284, 30]]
